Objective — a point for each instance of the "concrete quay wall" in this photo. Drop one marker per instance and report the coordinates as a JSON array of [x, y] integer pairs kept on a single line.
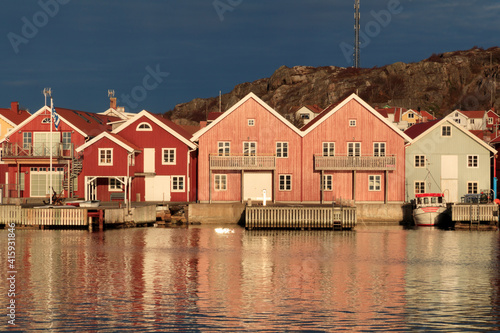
[[234, 213]]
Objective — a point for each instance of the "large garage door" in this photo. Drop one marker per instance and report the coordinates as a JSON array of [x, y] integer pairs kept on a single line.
[[449, 177], [255, 182], [158, 188]]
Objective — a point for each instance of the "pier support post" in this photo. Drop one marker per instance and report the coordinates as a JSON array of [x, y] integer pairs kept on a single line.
[[101, 220]]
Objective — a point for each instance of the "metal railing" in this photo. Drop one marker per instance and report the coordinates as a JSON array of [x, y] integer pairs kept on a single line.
[[354, 162], [59, 150], [242, 162]]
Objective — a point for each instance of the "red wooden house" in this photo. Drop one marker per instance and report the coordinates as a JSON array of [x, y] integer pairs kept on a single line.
[[148, 158], [248, 149], [352, 152], [28, 152]]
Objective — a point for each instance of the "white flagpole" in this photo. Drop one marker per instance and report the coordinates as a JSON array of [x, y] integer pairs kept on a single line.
[[50, 170]]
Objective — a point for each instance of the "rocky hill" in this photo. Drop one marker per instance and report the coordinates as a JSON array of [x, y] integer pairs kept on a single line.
[[440, 84]]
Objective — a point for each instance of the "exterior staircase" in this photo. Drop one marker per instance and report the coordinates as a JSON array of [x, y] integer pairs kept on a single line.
[[71, 175]]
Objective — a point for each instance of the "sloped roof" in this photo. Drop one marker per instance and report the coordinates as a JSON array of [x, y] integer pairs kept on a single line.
[[92, 124], [14, 118], [214, 115], [472, 114], [427, 115], [382, 112], [130, 147], [319, 117], [419, 128]]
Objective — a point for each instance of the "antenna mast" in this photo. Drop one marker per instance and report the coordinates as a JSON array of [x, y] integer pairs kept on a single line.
[[47, 92], [356, 34]]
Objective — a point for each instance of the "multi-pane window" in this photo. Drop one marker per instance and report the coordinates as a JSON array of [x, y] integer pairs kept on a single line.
[[446, 130], [328, 148], [281, 149], [419, 187], [374, 182], [327, 183], [472, 187], [472, 161], [66, 140], [249, 148], [251, 122], [105, 156], [419, 161], [379, 149], [168, 156], [352, 123], [224, 148], [490, 121], [354, 149], [220, 182], [144, 127], [27, 140], [285, 182], [115, 185], [177, 183], [411, 115]]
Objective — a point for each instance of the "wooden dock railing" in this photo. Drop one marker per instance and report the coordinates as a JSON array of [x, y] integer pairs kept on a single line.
[[474, 213], [242, 162], [354, 162], [285, 217]]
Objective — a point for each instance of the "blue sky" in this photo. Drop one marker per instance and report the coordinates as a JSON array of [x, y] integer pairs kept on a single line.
[[158, 53]]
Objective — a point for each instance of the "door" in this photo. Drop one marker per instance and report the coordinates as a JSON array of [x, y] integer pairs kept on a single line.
[[41, 143], [254, 183], [149, 160], [449, 177], [157, 188]]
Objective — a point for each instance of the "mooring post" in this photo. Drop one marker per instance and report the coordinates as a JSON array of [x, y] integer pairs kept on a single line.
[[101, 220]]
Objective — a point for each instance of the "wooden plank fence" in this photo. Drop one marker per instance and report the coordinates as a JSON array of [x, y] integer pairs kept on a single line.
[[474, 213], [43, 216], [285, 217]]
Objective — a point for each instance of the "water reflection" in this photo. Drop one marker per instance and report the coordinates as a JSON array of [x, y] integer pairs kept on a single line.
[[204, 278]]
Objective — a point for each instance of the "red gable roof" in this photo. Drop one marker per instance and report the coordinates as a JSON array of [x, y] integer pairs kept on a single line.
[[419, 128], [15, 117], [473, 114], [174, 126], [427, 115], [92, 124], [382, 112], [213, 115]]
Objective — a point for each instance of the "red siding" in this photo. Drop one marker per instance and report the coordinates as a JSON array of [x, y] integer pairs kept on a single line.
[[268, 130], [368, 129]]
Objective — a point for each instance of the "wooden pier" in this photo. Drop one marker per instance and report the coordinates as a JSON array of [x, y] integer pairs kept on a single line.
[[290, 217], [475, 216], [75, 217]]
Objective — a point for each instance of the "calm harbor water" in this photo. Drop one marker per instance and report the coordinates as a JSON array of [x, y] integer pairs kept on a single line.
[[211, 279]]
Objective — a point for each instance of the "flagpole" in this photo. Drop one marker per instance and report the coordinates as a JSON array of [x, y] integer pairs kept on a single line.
[[50, 170]]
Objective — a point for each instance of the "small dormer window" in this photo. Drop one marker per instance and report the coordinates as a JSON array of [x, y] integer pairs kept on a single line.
[[251, 122], [411, 116], [144, 127]]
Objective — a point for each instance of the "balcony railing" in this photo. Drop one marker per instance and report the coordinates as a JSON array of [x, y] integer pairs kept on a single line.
[[242, 162], [354, 162], [59, 150]]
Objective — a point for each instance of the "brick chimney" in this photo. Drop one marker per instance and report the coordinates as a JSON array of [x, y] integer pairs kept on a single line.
[[14, 106], [112, 102]]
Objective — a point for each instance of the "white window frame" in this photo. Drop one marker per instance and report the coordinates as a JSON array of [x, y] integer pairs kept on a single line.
[[249, 151], [411, 115], [327, 183], [282, 149], [27, 140], [490, 120], [420, 188], [66, 144], [223, 148], [475, 186], [419, 161], [328, 148], [379, 149], [354, 145], [117, 186], [446, 134], [352, 122], [472, 161], [144, 127], [372, 183], [105, 163], [285, 182], [251, 122], [170, 151], [177, 186], [222, 180]]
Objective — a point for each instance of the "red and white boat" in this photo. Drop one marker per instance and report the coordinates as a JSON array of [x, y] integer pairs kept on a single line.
[[429, 209]]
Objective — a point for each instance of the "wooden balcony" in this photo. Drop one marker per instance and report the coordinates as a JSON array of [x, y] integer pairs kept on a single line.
[[14, 150], [242, 162], [354, 163]]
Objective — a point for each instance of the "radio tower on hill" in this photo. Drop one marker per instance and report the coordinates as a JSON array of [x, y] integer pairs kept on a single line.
[[356, 34]]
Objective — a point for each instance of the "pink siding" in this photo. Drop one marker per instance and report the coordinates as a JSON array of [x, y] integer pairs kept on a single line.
[[368, 129], [267, 131]]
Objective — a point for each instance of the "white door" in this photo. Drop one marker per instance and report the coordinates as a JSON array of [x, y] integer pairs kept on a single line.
[[149, 160], [254, 183], [157, 188], [449, 177]]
